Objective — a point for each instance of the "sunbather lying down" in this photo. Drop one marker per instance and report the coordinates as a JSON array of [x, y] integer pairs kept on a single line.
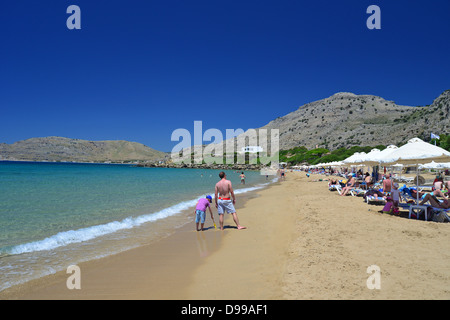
[[375, 193], [445, 204], [436, 193]]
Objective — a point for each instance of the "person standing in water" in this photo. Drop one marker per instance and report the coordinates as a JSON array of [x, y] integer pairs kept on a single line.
[[223, 195], [242, 177]]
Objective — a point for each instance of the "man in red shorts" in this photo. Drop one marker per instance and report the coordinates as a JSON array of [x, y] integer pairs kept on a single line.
[[223, 194]]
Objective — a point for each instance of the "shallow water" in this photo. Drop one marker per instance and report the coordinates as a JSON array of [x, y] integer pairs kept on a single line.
[[53, 215]]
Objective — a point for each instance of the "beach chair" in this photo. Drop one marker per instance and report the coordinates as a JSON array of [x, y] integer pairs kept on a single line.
[[375, 200], [409, 198], [357, 192], [406, 195], [405, 179], [334, 187]]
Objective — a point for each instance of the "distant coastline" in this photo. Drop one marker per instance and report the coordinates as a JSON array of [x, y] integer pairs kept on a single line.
[[247, 167], [244, 167], [62, 162], [61, 149]]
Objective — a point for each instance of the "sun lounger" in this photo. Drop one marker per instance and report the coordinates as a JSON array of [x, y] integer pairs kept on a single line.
[[405, 179], [422, 188], [357, 192], [373, 199], [408, 198], [334, 187]]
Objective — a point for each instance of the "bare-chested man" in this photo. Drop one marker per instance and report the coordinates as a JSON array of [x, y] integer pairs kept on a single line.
[[223, 194]]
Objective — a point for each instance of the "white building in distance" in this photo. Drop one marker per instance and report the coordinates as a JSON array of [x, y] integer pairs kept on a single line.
[[252, 149]]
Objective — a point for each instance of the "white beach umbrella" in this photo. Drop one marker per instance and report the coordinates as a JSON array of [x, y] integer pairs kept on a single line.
[[320, 165], [435, 165], [363, 158], [444, 165], [431, 165], [416, 152], [376, 158], [336, 164], [356, 158]]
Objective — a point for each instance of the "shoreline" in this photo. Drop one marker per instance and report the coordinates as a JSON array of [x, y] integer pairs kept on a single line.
[[181, 252]]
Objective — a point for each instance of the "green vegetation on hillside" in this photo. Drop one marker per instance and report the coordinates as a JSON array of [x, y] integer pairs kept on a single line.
[[443, 142], [303, 155]]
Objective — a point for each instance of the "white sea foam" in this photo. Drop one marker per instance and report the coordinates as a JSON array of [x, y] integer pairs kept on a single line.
[[85, 234]]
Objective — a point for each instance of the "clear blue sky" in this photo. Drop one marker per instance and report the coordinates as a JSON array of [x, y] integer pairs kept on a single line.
[[137, 70]]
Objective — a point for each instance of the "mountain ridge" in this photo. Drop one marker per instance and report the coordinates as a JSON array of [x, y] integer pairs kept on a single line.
[[346, 119], [56, 148]]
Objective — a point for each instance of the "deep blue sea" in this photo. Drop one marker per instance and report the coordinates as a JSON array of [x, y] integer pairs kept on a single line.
[[53, 215]]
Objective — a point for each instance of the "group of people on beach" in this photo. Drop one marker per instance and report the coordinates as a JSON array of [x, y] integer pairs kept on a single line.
[[224, 199], [440, 189], [393, 194]]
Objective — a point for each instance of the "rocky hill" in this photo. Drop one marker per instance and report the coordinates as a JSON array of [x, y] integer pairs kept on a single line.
[[346, 119], [65, 149]]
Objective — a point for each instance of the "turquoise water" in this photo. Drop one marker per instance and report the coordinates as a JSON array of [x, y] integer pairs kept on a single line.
[[56, 214]]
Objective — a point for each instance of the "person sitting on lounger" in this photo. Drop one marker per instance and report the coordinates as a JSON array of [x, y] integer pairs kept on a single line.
[[350, 186], [333, 182], [435, 202], [368, 179]]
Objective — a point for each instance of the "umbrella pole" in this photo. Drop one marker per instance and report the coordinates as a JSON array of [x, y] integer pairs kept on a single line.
[[417, 183]]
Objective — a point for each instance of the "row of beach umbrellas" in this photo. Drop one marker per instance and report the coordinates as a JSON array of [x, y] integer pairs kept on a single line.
[[416, 153]]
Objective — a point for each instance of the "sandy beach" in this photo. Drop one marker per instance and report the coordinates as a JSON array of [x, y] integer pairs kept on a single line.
[[302, 242]]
